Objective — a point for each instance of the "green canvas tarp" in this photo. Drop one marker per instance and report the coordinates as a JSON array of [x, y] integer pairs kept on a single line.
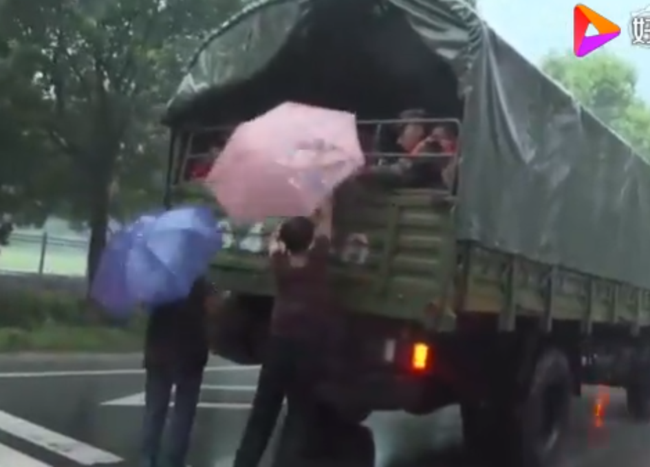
[[540, 175]]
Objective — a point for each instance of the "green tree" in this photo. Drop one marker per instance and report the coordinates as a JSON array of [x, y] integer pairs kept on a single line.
[[23, 150], [606, 84], [103, 70]]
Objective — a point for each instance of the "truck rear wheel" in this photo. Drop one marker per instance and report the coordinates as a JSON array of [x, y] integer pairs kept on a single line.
[[546, 409], [475, 429], [638, 401], [524, 431], [638, 389]]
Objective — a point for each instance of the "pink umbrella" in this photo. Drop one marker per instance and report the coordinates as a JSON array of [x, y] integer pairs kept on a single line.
[[285, 162]]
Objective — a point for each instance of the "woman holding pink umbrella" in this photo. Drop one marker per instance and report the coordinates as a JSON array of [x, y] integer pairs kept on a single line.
[[287, 163], [298, 254]]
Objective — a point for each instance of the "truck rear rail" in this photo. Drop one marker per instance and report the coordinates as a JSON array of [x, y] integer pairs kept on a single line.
[[511, 286]]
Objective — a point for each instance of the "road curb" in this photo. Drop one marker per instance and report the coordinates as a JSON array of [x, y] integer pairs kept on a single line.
[[43, 357], [67, 356]]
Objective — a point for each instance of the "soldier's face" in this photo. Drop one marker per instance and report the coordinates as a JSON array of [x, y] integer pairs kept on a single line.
[[439, 134]]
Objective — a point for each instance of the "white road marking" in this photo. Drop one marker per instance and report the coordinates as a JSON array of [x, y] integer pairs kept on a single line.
[[138, 399], [120, 372], [224, 387], [13, 458], [132, 400], [57, 443]]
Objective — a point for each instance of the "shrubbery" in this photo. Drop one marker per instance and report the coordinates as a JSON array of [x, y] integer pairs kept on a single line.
[[33, 319], [27, 309]]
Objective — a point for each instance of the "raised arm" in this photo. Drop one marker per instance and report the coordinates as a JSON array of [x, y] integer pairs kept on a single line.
[[275, 244], [323, 220], [322, 234], [277, 253]]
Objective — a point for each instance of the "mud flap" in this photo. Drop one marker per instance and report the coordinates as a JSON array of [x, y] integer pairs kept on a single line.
[[638, 387]]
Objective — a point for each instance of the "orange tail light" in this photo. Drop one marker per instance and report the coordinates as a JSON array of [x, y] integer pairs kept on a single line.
[[420, 356]]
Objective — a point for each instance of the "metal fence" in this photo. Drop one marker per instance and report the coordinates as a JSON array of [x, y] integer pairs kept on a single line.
[[44, 254]]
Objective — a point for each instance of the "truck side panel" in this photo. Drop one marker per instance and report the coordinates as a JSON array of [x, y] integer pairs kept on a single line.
[[500, 284]]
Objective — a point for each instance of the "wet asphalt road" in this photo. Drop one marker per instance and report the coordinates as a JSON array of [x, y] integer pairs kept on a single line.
[[97, 401]]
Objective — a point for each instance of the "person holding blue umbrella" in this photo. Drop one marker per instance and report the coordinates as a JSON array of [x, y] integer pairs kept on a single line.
[[175, 355], [158, 262]]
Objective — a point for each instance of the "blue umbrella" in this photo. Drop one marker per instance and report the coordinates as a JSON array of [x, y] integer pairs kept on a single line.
[[156, 259]]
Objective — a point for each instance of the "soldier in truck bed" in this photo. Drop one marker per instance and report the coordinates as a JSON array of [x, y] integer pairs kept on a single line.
[[417, 169]]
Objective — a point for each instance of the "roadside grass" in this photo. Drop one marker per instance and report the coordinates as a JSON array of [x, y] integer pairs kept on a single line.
[[39, 313], [33, 319], [66, 338], [69, 261]]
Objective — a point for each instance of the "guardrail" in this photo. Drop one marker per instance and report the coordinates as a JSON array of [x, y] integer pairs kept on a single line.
[[43, 254]]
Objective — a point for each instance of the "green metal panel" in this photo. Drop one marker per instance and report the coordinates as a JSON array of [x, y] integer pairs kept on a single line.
[[396, 270], [509, 286]]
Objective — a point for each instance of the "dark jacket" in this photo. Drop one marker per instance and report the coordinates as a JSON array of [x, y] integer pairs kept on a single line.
[[303, 305], [176, 337]]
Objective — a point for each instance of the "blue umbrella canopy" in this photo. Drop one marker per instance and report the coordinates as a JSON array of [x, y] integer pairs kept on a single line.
[[156, 259]]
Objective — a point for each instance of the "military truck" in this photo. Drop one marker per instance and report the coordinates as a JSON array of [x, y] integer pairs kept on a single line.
[[504, 296]]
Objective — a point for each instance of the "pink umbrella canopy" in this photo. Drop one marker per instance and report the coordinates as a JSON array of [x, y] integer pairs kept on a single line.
[[285, 162]]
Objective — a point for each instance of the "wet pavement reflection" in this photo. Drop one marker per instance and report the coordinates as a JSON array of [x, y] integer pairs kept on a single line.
[[104, 410]]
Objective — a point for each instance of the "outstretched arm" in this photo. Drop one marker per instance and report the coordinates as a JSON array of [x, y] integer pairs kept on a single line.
[[275, 244], [322, 234], [323, 220], [277, 253]]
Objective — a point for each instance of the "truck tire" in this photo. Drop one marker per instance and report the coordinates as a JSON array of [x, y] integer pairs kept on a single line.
[[546, 409], [524, 431], [638, 401], [638, 389], [475, 429]]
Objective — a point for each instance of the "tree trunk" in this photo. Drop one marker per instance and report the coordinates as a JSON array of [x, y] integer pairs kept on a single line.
[[98, 228]]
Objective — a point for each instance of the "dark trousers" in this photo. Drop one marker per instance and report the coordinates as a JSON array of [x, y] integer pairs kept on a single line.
[[158, 391], [287, 370]]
